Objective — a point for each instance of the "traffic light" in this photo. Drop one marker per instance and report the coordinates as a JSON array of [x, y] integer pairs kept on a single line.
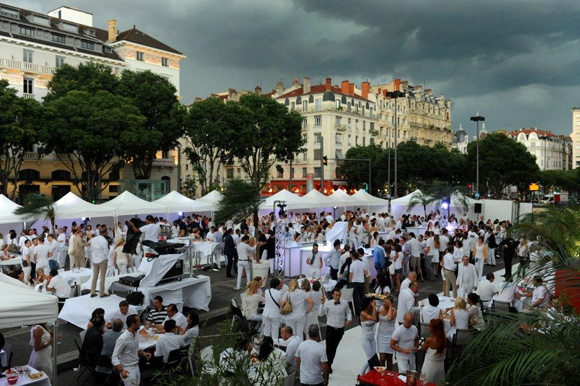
[[325, 160], [366, 187], [468, 186]]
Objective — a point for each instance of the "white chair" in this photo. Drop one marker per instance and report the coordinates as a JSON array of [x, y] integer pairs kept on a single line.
[[347, 295]]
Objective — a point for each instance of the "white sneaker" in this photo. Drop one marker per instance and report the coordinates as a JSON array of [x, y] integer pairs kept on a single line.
[[237, 288]]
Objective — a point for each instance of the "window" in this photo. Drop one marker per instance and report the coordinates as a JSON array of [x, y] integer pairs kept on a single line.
[[113, 188], [230, 173], [28, 82], [88, 45], [10, 13], [338, 121], [27, 56], [317, 138], [364, 141], [356, 140], [280, 173], [316, 172], [165, 62], [317, 154], [356, 124], [304, 123], [349, 124], [140, 56], [304, 106], [338, 139], [26, 31], [372, 126], [292, 106], [317, 121], [317, 104], [364, 125], [304, 172], [338, 106], [59, 61], [59, 38]]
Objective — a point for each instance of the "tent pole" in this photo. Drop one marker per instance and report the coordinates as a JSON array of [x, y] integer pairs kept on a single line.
[[54, 354]]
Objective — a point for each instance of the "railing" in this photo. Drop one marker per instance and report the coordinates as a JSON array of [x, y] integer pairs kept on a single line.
[[27, 96], [26, 67], [31, 155], [340, 126]]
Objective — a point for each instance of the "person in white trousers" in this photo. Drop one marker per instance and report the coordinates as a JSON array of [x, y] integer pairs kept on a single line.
[[271, 315], [480, 254], [245, 250], [467, 278]]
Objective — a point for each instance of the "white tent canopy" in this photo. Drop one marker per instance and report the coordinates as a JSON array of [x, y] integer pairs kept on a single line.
[[127, 204], [341, 198], [211, 200], [21, 305], [369, 200], [315, 199], [293, 201], [404, 201], [177, 202], [73, 207], [7, 208]]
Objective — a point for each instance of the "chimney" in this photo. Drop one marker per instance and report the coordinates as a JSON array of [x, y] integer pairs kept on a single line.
[[296, 82], [231, 93], [258, 90], [344, 87], [306, 85], [365, 89], [328, 84], [398, 84], [279, 88], [428, 91], [112, 30], [351, 89], [404, 83]]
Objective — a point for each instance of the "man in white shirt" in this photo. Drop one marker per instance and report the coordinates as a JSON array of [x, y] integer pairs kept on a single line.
[[245, 250], [338, 316], [540, 297], [291, 342], [415, 249], [358, 271], [169, 341], [53, 249], [405, 342], [99, 251], [408, 280], [443, 241], [486, 288], [122, 313], [467, 278], [58, 285], [449, 270], [429, 249], [149, 231], [126, 354], [311, 359], [41, 251], [407, 301], [174, 314]]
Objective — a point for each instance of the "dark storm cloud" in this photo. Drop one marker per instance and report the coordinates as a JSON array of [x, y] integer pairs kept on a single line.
[[517, 62]]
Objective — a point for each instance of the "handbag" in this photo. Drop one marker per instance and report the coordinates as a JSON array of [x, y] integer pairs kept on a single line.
[[392, 269], [287, 307]]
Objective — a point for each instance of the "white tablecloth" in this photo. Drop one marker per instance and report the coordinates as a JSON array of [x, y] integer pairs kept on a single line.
[[108, 281], [77, 275], [205, 247], [146, 342], [24, 380], [14, 261], [192, 292], [78, 310]]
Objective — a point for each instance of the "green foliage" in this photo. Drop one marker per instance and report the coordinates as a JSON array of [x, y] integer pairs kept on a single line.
[[210, 128], [240, 199], [357, 172], [188, 187], [36, 207], [421, 198], [156, 99], [558, 180], [93, 131], [21, 127], [90, 77], [443, 191], [502, 162]]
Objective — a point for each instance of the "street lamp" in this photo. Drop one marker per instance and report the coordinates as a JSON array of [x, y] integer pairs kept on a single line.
[[395, 95], [478, 118]]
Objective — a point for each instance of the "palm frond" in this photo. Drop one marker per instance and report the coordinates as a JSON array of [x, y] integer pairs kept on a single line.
[[420, 198], [240, 199], [37, 207]]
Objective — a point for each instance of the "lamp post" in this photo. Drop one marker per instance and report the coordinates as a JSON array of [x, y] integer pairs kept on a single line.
[[395, 95], [478, 118]]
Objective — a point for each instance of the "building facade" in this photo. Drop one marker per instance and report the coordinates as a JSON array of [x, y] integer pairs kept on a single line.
[[34, 45], [460, 140], [575, 137], [552, 151]]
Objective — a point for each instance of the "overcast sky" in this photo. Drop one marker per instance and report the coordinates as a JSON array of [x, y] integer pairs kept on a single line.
[[515, 62]]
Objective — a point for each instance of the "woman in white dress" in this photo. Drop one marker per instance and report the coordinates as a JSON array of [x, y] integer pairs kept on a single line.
[[474, 309], [459, 317], [297, 318], [433, 369], [40, 340], [315, 294], [252, 300], [480, 253], [368, 320], [387, 320], [121, 259]]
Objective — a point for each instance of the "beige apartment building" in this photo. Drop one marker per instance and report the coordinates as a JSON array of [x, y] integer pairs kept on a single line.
[[552, 151], [33, 45], [575, 136]]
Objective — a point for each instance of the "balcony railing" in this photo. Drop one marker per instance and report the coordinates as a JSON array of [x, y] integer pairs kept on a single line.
[[26, 67], [340, 126], [27, 96], [31, 155]]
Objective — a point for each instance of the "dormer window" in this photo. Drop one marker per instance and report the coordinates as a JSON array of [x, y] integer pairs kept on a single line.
[[59, 38], [90, 32], [26, 31], [10, 13], [88, 45]]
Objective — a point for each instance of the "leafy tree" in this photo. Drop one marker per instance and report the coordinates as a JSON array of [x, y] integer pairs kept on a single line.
[[356, 172], [442, 191], [156, 99], [567, 180], [21, 127], [90, 133], [210, 130], [90, 77], [36, 207], [239, 199], [266, 133], [413, 166], [188, 187], [502, 162]]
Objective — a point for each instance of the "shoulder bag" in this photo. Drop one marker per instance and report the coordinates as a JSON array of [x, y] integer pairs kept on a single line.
[[287, 308]]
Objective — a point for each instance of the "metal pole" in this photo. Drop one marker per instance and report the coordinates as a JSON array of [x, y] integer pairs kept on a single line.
[[321, 164], [477, 167], [178, 169], [389, 167], [370, 178], [290, 184], [395, 195]]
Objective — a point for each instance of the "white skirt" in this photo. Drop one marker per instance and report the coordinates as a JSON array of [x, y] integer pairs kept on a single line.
[[384, 343]]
